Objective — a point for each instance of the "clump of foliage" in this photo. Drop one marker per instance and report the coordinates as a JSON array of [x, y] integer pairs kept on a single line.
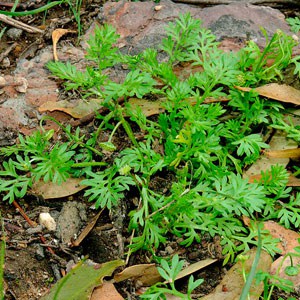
[[204, 149], [294, 23]]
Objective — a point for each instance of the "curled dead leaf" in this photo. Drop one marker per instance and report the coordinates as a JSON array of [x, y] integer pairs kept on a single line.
[[56, 35], [275, 91]]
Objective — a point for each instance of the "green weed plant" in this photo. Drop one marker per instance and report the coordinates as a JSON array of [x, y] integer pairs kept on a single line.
[[206, 147]]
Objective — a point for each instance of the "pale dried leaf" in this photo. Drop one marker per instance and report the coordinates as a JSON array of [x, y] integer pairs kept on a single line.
[[288, 238], [286, 153], [275, 91], [278, 142], [150, 108], [292, 180], [56, 35], [76, 109], [278, 267], [230, 288], [106, 291], [146, 274], [195, 267], [50, 190]]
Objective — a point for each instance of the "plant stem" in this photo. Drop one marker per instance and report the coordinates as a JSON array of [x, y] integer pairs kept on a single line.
[[89, 164], [127, 127]]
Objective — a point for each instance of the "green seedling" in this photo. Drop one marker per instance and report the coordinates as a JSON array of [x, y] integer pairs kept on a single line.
[[204, 147]]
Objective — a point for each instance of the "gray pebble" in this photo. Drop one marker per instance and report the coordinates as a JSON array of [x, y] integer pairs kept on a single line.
[[14, 33]]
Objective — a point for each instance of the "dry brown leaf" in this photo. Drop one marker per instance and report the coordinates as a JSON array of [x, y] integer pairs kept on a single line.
[[288, 238], [50, 190], [280, 264], [106, 291], [278, 142], [292, 180], [56, 35], [150, 108], [230, 288], [146, 274], [87, 229], [288, 241], [195, 267], [77, 109], [279, 92], [286, 153]]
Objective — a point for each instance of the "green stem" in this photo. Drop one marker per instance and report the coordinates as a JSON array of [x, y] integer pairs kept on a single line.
[[31, 12], [105, 120], [2, 259], [89, 164], [113, 131], [247, 286], [127, 128], [70, 136]]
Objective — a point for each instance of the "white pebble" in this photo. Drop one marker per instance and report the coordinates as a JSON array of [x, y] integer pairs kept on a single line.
[[47, 221]]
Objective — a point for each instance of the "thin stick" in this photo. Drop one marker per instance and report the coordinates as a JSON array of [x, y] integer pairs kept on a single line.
[[31, 223], [7, 51], [19, 24]]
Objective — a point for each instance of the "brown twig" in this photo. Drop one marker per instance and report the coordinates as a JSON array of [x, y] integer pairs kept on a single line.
[[31, 223], [18, 24], [7, 51]]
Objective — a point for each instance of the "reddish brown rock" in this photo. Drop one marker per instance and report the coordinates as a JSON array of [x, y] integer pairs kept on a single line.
[[141, 26]]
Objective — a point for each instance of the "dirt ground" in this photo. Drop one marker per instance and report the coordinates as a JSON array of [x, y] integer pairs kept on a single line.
[[32, 266]]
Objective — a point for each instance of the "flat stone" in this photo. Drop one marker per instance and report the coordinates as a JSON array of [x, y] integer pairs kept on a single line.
[[141, 26], [8, 126], [14, 33], [70, 221]]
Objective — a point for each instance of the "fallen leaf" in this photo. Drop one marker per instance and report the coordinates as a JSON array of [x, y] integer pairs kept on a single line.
[[77, 109], [275, 91], [56, 35], [279, 141], [87, 229], [288, 241], [292, 180], [50, 190], [146, 274], [150, 108], [81, 280], [106, 291], [280, 264], [286, 153], [288, 238], [195, 267], [230, 288]]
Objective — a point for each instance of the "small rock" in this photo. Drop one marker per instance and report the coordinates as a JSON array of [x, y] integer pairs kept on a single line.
[[158, 7], [39, 252], [14, 33], [70, 221], [23, 84], [169, 250], [34, 230], [47, 221], [5, 62]]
